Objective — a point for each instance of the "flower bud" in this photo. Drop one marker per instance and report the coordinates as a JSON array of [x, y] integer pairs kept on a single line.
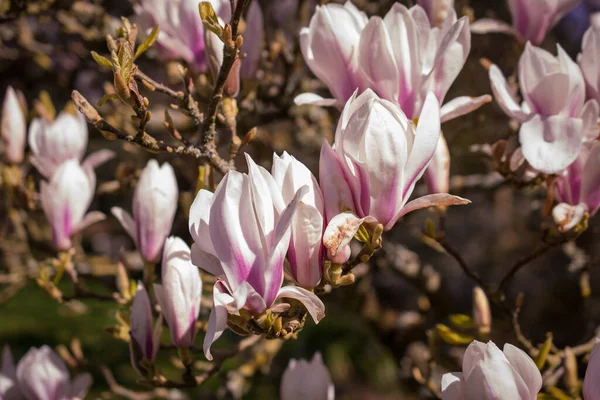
[[437, 10], [145, 341], [306, 380], [12, 128], [306, 249], [65, 200], [481, 311], [180, 292], [491, 374], [58, 141], [42, 374], [154, 205], [591, 383], [214, 56]]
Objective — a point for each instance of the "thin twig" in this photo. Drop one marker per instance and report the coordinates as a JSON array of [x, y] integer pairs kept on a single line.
[[540, 251], [474, 276]]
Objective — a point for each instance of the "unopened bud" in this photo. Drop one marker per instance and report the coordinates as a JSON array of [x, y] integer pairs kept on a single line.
[[123, 281], [84, 107], [481, 311]]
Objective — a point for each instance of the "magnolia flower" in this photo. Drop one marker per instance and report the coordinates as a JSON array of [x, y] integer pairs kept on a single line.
[[306, 380], [381, 156], [43, 375], [145, 340], [65, 200], [254, 41], [180, 292], [437, 175], [411, 60], [330, 48], [553, 127], [241, 235], [577, 188], [588, 60], [591, 382], [181, 34], [154, 206], [12, 128], [9, 388], [305, 253], [491, 374], [437, 10], [531, 19]]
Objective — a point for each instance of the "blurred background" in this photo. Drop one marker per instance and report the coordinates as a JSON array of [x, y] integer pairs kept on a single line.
[[376, 331]]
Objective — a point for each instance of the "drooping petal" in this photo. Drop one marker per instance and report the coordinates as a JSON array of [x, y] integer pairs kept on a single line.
[[340, 231], [316, 100], [126, 221], [550, 144], [311, 301], [462, 105], [504, 96], [452, 386], [217, 322], [432, 200]]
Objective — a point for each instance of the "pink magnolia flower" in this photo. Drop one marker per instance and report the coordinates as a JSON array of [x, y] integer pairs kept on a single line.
[[588, 60], [241, 235], [180, 292], [591, 382], [145, 340], [491, 374], [377, 159], [577, 188], [43, 375], [13, 129], [65, 200], [181, 34], [63, 139], [330, 48], [9, 387], [306, 380], [254, 41], [553, 127], [154, 206], [437, 175], [531, 19], [437, 10], [305, 253], [411, 60]]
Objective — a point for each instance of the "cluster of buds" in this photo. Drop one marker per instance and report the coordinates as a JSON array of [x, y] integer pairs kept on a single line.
[[40, 374]]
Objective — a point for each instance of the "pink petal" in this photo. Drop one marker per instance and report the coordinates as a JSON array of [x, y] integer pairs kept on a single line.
[[463, 105], [432, 200], [551, 144], [311, 301]]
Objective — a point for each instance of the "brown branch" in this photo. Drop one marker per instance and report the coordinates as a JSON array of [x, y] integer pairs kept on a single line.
[[474, 276], [540, 251], [159, 87], [230, 53]]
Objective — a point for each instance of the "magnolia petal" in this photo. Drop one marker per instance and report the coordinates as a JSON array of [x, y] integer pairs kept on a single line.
[[463, 105], [336, 192], [217, 322], [89, 219], [305, 251], [426, 141], [98, 158], [525, 368], [488, 25], [589, 115], [567, 216], [8, 364], [340, 231], [452, 386], [315, 100], [432, 200], [311, 301], [206, 261], [551, 144], [80, 386], [126, 221], [591, 383], [590, 183], [504, 96]]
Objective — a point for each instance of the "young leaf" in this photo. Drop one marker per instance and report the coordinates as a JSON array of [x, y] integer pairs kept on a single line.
[[209, 18], [149, 41], [101, 60], [106, 97]]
